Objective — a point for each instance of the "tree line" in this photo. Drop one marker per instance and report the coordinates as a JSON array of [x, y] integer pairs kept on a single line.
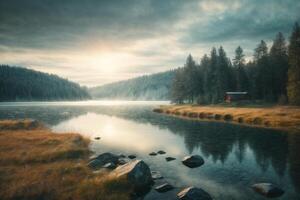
[[273, 75], [17, 84], [148, 87]]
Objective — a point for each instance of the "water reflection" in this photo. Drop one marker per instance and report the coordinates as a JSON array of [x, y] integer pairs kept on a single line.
[[235, 156]]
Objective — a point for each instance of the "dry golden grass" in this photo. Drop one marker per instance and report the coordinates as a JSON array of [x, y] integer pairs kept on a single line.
[[37, 164], [283, 117]]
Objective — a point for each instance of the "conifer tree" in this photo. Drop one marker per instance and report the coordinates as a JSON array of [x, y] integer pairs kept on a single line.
[[279, 63], [242, 80], [293, 88]]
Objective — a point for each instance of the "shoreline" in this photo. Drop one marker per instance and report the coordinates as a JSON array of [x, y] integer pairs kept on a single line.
[[285, 118], [47, 165]]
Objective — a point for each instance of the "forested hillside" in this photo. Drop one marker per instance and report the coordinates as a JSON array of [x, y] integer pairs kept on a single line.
[[150, 87], [273, 75], [17, 84]]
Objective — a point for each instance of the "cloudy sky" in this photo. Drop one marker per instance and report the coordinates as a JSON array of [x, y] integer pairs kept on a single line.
[[94, 42]]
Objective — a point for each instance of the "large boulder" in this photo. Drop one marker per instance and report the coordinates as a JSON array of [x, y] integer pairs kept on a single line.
[[267, 189], [193, 161], [137, 173], [102, 159], [193, 193]]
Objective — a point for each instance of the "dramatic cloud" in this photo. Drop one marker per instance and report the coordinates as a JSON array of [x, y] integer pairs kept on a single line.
[[101, 41]]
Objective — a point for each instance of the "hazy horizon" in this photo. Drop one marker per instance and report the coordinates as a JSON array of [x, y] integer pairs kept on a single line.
[[98, 42]]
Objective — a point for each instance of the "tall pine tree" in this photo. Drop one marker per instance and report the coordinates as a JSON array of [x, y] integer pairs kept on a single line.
[[279, 63], [242, 81], [293, 89]]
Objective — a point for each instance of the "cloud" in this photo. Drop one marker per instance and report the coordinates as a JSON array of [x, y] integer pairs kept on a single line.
[[100, 41]]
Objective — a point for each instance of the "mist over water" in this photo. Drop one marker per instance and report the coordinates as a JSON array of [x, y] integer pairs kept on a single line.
[[235, 156]]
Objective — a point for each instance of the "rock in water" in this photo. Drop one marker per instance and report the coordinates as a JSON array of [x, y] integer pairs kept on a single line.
[[267, 189], [193, 193], [152, 154], [132, 156], [161, 152], [102, 159], [156, 175], [164, 187], [110, 165], [137, 173], [193, 161], [168, 159]]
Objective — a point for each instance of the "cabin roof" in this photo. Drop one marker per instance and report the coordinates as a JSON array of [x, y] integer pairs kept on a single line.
[[236, 93]]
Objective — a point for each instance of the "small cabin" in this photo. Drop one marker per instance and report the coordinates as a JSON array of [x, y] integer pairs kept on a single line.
[[236, 96]]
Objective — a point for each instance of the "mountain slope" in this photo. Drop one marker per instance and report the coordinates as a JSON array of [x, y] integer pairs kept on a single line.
[[17, 84], [149, 87]]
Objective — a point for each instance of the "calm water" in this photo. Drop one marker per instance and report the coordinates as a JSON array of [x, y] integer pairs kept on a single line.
[[235, 156]]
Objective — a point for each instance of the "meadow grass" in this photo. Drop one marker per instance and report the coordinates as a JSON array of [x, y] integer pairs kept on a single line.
[[281, 117], [38, 164]]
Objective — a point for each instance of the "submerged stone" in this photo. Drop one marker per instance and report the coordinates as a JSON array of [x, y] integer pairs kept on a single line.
[[156, 175], [267, 189], [152, 154], [193, 161], [168, 159], [132, 156], [164, 187], [161, 152]]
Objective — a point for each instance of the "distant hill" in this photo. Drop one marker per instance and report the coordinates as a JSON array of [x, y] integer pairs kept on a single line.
[[149, 87], [18, 84]]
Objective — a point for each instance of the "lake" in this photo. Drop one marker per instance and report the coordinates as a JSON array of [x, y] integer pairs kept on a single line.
[[235, 156]]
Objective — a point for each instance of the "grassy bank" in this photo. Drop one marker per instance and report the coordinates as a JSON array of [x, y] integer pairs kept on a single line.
[[37, 164], [281, 117]]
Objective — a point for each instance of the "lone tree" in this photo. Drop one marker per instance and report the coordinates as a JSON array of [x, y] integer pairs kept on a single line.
[[293, 86]]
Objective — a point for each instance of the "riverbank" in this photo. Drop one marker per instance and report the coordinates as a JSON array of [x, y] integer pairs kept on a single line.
[[37, 164], [279, 117]]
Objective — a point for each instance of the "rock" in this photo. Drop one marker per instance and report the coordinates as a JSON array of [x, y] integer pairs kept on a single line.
[[109, 165], [158, 110], [156, 175], [122, 156], [193, 161], [122, 161], [267, 189], [193, 193], [218, 116], [228, 117], [161, 152], [152, 154], [103, 159], [137, 173], [210, 116], [97, 138], [168, 159], [132, 156], [164, 187]]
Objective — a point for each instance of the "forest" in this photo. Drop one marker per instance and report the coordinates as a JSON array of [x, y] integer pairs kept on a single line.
[[17, 84], [149, 87], [273, 75]]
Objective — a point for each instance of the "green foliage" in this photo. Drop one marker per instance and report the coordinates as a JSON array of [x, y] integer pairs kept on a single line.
[[293, 88], [150, 87], [17, 84], [264, 78]]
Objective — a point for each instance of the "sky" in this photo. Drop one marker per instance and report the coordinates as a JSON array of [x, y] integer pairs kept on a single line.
[[94, 42]]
